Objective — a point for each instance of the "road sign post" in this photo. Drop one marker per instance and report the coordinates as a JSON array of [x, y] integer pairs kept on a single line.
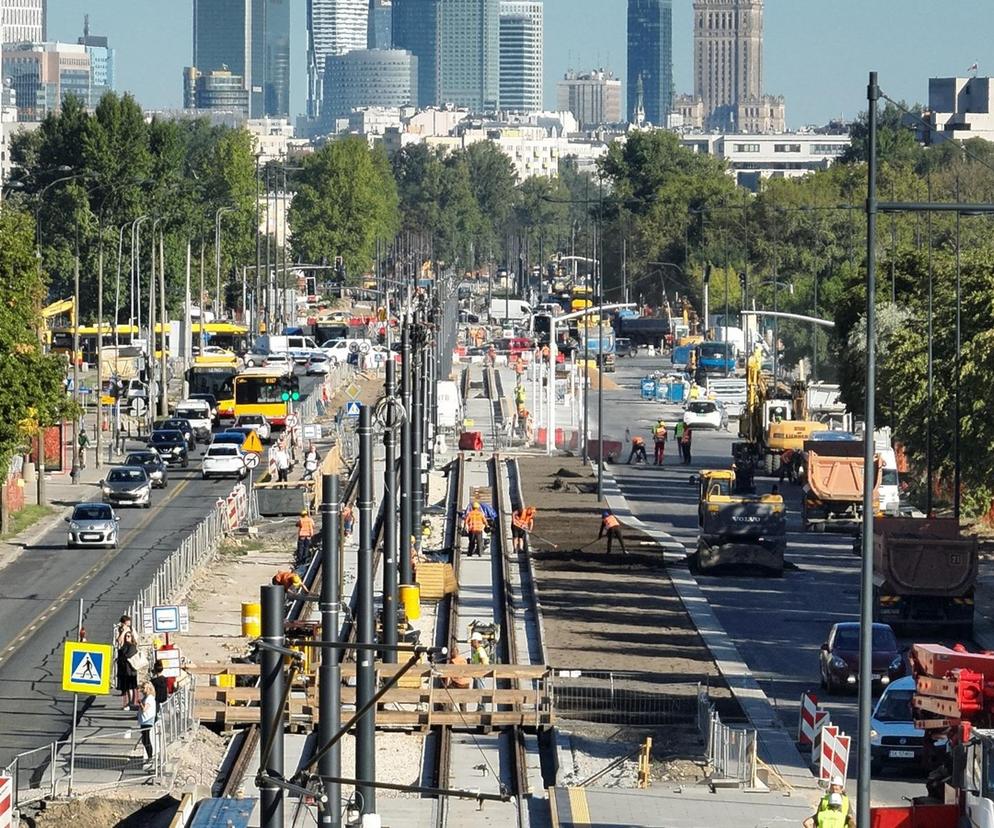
[[251, 462]]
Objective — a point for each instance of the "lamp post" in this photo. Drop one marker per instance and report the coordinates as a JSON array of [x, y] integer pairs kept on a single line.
[[218, 301]]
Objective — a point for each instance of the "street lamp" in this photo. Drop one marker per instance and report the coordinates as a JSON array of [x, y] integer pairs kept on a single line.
[[218, 302]]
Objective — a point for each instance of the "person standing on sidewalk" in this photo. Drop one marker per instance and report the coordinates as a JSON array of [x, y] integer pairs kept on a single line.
[[161, 685], [84, 442], [305, 531], [127, 675], [147, 710], [282, 459], [312, 459]]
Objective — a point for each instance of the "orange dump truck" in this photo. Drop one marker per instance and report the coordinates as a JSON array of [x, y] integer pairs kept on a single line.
[[833, 489]]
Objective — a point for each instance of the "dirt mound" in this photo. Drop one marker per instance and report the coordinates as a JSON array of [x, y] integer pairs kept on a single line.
[[564, 472], [102, 812]]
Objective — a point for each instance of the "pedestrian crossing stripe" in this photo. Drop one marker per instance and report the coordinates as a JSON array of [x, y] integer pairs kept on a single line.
[[86, 668]]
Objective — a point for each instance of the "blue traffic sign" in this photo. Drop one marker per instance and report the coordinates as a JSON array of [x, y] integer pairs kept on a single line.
[[352, 408]]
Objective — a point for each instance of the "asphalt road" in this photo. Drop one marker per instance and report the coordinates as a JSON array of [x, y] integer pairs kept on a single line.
[[778, 624], [40, 593]]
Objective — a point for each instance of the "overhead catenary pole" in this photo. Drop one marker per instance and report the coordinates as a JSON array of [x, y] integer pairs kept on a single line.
[[406, 461], [389, 520], [163, 377], [417, 431], [869, 468], [330, 679], [97, 462], [365, 748], [271, 690]]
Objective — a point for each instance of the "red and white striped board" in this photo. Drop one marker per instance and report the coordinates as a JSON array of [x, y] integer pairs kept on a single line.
[[6, 802], [808, 722], [822, 720], [834, 753]]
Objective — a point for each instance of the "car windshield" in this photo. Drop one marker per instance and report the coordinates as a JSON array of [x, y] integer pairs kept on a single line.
[[229, 437], [222, 451], [701, 408], [889, 477], [179, 425], [167, 437], [92, 511], [142, 459], [895, 706], [191, 414], [126, 476], [883, 639], [250, 419]]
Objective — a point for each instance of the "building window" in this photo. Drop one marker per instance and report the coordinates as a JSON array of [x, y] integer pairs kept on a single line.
[[746, 147], [827, 149], [786, 147]]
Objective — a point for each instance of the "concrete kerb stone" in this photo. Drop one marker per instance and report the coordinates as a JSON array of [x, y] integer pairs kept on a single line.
[[776, 745]]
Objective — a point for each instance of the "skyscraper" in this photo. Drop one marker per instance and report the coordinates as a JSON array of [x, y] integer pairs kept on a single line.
[[101, 61], [521, 55], [24, 20], [250, 38], [334, 28], [728, 58], [415, 25], [594, 98], [650, 57], [469, 54], [380, 28]]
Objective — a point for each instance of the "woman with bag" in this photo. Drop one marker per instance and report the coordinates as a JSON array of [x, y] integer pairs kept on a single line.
[[146, 718], [128, 663]]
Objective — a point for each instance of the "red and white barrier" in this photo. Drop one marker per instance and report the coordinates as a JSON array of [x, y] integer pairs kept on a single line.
[[811, 719], [834, 753], [234, 508], [6, 802]]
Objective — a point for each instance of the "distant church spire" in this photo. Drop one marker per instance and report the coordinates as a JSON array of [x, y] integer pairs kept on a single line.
[[639, 113]]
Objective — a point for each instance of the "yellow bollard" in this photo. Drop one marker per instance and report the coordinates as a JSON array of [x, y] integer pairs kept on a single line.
[[410, 600], [251, 619], [645, 764]]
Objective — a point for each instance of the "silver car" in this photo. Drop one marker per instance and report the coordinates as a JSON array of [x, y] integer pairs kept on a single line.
[[92, 524], [128, 484]]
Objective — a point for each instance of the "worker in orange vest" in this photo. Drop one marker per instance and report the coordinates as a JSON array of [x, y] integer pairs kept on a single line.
[[611, 527], [545, 353], [474, 523], [638, 451], [289, 580], [305, 531], [522, 522]]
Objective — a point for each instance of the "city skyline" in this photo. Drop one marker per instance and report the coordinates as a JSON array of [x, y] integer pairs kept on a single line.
[[818, 61]]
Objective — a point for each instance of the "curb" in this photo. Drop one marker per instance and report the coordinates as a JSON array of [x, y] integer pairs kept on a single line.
[[744, 688]]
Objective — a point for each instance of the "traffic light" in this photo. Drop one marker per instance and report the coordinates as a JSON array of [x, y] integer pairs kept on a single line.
[[742, 281], [287, 391]]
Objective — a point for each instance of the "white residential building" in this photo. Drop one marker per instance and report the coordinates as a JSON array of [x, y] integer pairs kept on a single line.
[[521, 55], [23, 21]]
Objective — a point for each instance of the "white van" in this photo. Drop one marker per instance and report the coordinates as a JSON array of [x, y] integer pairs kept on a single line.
[[449, 406], [890, 483]]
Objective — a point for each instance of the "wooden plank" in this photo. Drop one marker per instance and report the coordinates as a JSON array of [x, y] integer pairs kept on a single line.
[[229, 716], [436, 580], [348, 670]]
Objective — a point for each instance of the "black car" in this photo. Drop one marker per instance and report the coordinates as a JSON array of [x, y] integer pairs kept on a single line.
[[180, 424], [171, 445], [153, 464]]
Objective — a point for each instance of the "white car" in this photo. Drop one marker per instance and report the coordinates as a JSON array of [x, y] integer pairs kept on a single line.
[[706, 414], [279, 361], [199, 413], [339, 349], [318, 363], [257, 421], [223, 460], [893, 735]]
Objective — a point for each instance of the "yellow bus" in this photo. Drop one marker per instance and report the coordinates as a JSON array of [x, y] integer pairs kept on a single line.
[[225, 335], [266, 391]]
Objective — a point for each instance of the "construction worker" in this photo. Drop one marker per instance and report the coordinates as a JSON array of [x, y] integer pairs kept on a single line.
[[474, 523], [305, 531], [348, 520], [457, 682], [478, 655], [519, 395], [638, 451], [834, 810], [659, 434], [545, 353], [289, 580], [685, 442], [519, 367], [522, 522], [678, 430], [611, 526]]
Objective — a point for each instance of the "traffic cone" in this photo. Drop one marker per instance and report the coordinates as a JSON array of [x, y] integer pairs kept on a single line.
[[105, 424]]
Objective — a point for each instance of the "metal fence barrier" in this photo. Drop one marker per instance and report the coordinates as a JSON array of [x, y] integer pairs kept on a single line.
[[615, 698], [731, 752]]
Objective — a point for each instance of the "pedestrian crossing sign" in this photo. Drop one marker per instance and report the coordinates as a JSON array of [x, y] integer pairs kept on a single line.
[[86, 668], [352, 409]]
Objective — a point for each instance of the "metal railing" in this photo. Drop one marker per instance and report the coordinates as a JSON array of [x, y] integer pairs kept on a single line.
[[603, 697], [731, 752]]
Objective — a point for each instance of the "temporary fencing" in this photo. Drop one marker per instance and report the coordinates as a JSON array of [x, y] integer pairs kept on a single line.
[[812, 718], [604, 697], [731, 751]]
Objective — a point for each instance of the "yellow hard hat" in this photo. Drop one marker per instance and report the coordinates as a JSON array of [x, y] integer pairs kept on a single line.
[[303, 513], [296, 581], [476, 504]]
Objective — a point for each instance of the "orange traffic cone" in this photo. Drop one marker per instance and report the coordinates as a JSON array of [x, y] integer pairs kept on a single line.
[[105, 424]]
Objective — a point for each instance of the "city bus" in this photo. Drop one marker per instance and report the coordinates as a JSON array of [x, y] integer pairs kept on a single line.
[[218, 380], [60, 340], [225, 335], [261, 391]]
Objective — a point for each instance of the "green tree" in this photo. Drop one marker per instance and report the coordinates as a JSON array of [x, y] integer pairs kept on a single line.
[[493, 182], [345, 201]]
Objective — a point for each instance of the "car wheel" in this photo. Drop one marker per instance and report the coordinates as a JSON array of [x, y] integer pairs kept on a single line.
[[147, 504], [876, 766], [205, 476]]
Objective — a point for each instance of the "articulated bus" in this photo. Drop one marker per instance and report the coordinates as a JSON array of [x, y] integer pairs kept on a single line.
[[261, 390], [221, 334]]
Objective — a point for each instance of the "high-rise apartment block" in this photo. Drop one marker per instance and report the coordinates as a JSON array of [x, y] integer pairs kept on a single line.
[[728, 67], [43, 74], [369, 78], [457, 44], [24, 20], [594, 98], [250, 39], [650, 58], [334, 27], [380, 26], [521, 52]]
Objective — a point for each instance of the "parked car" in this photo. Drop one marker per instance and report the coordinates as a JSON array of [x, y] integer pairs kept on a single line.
[[706, 414], [893, 735], [839, 657], [92, 524], [259, 422], [180, 424], [154, 465], [279, 361], [128, 485], [318, 363], [171, 445], [623, 347], [223, 460], [198, 414]]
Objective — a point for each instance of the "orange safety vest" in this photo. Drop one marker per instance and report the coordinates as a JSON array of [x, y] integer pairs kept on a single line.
[[522, 519], [305, 527], [610, 522], [637, 441], [284, 578], [476, 521]]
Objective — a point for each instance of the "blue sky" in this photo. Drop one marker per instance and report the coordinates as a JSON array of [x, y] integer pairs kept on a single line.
[[817, 52]]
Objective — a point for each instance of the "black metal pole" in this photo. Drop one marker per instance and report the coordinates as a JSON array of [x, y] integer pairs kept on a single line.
[[271, 692], [365, 748], [417, 436], [330, 678], [405, 455], [389, 522], [957, 420], [869, 468], [928, 433]]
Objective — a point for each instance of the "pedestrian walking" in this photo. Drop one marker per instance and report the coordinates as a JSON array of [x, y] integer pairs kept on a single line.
[[685, 443], [312, 459], [522, 522], [611, 527], [305, 531], [147, 710], [348, 521], [84, 443], [474, 523], [282, 459], [127, 670]]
